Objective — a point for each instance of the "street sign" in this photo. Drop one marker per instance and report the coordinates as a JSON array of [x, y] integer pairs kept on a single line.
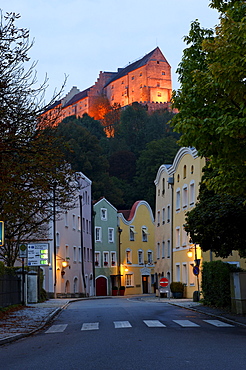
[[164, 282], [23, 251], [38, 254], [196, 270], [1, 233]]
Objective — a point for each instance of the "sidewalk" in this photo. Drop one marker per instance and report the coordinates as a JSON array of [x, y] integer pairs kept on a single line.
[[29, 319]]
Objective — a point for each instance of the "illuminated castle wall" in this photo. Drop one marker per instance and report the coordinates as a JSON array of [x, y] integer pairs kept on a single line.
[[146, 81]]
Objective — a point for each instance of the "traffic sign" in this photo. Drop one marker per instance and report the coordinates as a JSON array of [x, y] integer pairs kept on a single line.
[[23, 251], [164, 282], [196, 270], [38, 254]]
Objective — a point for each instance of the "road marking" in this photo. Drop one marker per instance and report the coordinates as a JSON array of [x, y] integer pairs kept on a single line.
[[56, 329], [154, 324], [218, 323], [122, 324], [186, 323], [90, 326]]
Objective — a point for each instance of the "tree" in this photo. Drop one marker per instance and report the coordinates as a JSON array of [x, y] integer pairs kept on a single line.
[[31, 164], [217, 222], [211, 99], [157, 152]]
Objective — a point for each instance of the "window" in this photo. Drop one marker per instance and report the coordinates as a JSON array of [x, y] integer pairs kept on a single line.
[[87, 226], [158, 218], [192, 170], [79, 254], [192, 193], [144, 234], [98, 234], [113, 259], [105, 259], [74, 254], [150, 257], [177, 237], [128, 256], [132, 233], [110, 235], [184, 274], [184, 172], [132, 77], [184, 237], [79, 224], [191, 275], [163, 73], [97, 259], [66, 219], [178, 199], [158, 250], [163, 186], [168, 214], [159, 94], [104, 214], [163, 249], [168, 249], [74, 222], [57, 240], [178, 272], [129, 280], [185, 196], [83, 224], [163, 216], [140, 257], [158, 84]]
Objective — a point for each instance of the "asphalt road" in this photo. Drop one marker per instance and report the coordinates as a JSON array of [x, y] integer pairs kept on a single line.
[[119, 333]]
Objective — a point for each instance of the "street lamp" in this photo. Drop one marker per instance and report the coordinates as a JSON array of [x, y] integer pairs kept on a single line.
[[119, 272]]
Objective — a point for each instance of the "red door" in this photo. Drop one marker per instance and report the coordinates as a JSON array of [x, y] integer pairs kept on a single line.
[[101, 286]]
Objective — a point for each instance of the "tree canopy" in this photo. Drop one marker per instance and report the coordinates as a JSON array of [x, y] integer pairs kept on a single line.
[[32, 165], [211, 98], [217, 222]]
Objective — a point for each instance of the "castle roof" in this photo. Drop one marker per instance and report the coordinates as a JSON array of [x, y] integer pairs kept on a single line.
[[135, 65], [81, 95]]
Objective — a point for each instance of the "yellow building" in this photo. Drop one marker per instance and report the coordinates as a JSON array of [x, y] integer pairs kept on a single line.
[[137, 248], [183, 178]]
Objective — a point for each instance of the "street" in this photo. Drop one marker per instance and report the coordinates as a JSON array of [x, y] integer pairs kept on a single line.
[[123, 333]]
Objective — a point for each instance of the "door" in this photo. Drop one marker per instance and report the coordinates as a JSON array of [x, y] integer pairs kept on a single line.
[[101, 286], [145, 284]]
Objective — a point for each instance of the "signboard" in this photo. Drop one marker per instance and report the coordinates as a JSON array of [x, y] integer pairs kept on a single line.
[[38, 254], [23, 251], [196, 270], [164, 282], [1, 233]]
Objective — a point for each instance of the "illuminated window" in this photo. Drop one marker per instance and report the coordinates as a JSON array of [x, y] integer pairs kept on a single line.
[[129, 280]]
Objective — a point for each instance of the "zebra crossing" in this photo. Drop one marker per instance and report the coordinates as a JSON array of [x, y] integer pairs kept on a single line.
[[89, 326]]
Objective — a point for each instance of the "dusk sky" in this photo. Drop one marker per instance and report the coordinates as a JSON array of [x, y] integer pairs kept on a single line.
[[80, 38]]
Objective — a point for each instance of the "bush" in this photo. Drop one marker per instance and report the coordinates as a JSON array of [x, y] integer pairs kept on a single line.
[[216, 283], [177, 287]]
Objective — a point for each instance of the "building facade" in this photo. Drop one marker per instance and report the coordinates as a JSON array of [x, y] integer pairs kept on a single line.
[[106, 247], [137, 248]]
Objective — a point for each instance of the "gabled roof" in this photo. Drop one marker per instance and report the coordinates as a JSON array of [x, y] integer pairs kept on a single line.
[[81, 95], [135, 65]]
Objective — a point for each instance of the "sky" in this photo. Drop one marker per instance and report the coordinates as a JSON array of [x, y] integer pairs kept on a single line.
[[80, 38]]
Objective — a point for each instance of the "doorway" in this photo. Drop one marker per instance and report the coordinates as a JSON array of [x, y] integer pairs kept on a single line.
[[145, 284], [101, 286]]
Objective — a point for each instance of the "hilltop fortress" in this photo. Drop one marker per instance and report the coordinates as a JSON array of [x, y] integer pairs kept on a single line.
[[146, 81]]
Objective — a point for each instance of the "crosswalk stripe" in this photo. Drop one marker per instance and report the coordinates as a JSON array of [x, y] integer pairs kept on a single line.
[[154, 324], [56, 328], [186, 323], [218, 323], [90, 326], [122, 324]]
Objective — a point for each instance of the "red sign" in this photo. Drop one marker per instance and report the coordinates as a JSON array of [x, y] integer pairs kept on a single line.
[[164, 282]]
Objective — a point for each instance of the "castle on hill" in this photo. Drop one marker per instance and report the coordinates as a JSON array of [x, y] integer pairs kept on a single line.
[[146, 81]]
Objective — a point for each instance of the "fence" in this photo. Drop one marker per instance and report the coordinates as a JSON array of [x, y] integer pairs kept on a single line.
[[10, 290]]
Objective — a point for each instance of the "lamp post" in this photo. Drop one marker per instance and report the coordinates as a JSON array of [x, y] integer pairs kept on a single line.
[[54, 234], [119, 272]]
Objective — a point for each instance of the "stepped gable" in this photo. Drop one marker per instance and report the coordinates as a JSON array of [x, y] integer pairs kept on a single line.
[[81, 95], [139, 63]]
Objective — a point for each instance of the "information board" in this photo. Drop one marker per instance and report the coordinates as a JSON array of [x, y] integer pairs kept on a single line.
[[38, 254]]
